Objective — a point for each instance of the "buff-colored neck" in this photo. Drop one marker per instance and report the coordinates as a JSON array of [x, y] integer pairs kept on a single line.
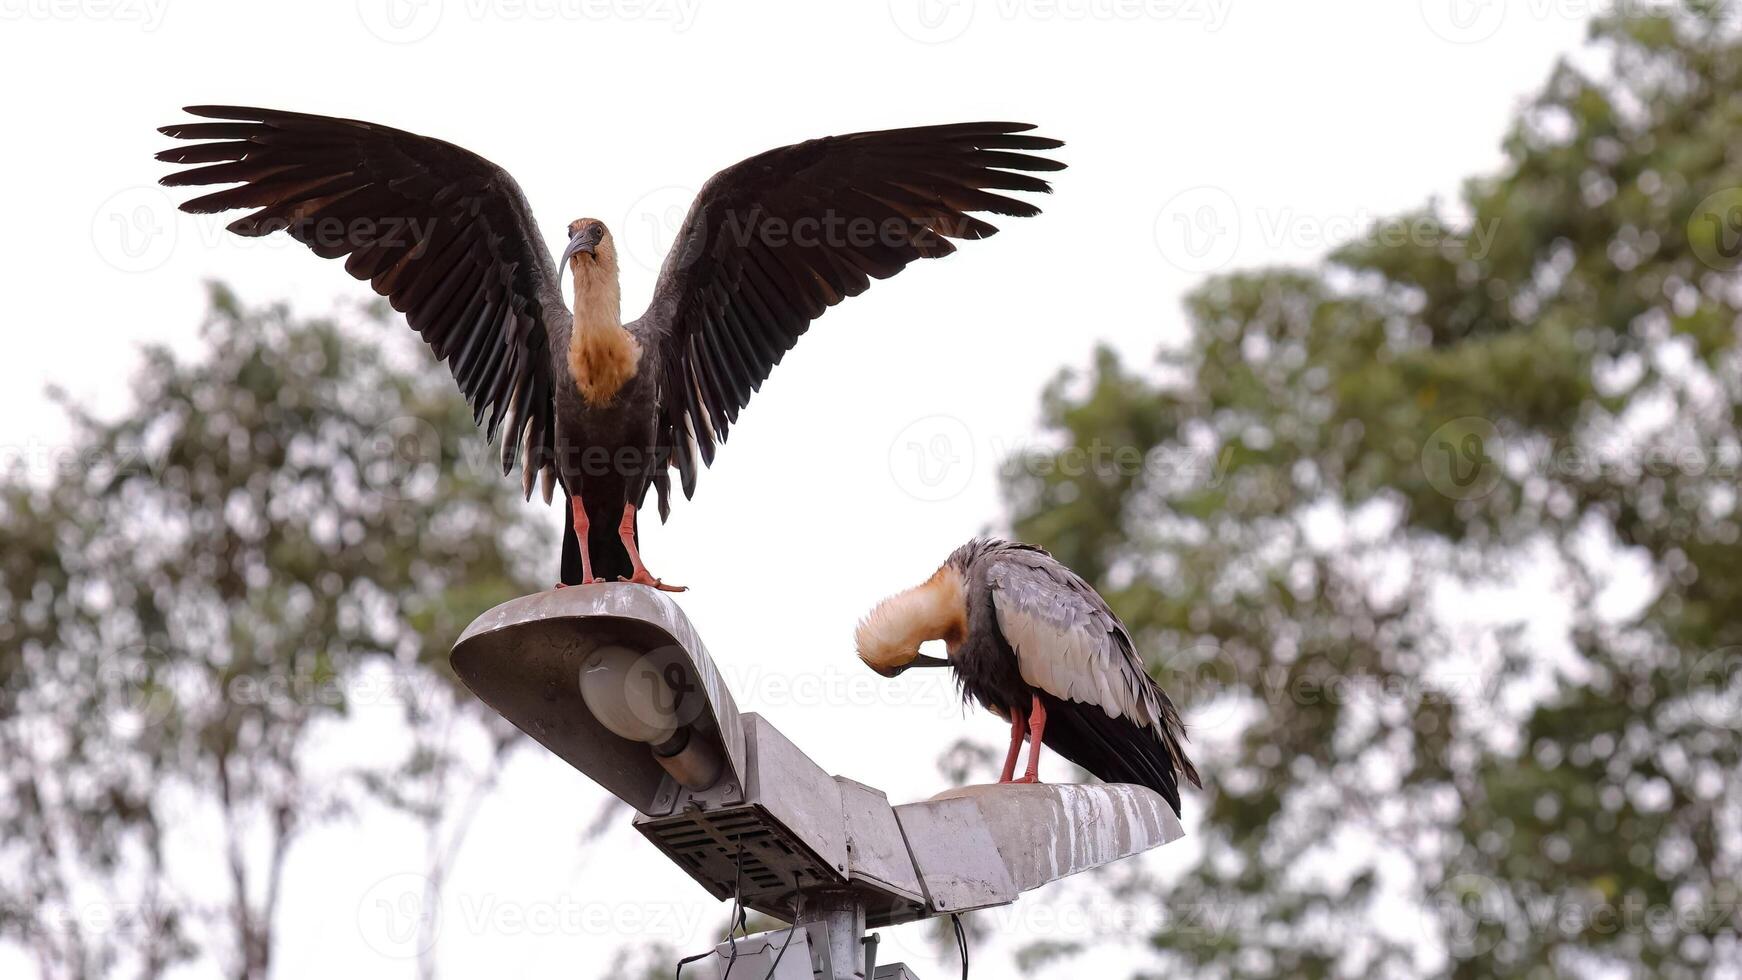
[[936, 609], [603, 356]]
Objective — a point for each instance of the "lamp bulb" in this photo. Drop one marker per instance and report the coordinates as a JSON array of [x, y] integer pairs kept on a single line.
[[627, 694]]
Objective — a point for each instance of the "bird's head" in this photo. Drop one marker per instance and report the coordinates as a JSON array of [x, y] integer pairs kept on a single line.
[[889, 637], [590, 250]]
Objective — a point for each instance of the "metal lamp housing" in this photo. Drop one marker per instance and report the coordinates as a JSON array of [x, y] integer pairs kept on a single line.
[[528, 659]]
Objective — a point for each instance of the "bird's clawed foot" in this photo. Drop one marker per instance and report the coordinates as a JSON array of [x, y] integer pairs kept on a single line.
[[592, 581], [626, 534], [643, 577], [1026, 780]]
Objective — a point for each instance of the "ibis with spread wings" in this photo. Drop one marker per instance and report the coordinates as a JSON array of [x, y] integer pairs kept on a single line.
[[605, 408], [1039, 647]]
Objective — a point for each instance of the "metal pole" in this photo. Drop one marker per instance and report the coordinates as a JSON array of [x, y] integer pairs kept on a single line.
[[842, 915]]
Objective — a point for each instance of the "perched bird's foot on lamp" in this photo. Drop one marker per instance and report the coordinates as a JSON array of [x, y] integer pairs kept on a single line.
[[626, 534], [1026, 779], [643, 577]]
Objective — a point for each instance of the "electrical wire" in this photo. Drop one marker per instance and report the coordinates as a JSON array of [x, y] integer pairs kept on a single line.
[[961, 942], [731, 925], [738, 920], [776, 964], [737, 910], [798, 899], [686, 961]]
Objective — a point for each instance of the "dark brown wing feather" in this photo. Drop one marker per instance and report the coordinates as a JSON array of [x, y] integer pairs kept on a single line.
[[775, 240], [441, 232]]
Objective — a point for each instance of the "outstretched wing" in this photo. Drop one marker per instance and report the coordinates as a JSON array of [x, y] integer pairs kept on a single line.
[[1069, 644], [441, 232], [775, 240]]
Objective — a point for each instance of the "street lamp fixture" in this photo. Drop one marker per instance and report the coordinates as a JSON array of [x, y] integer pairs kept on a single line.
[[614, 680]]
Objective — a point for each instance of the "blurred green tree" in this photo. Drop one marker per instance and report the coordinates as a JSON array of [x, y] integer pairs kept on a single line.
[[270, 553], [1344, 477]]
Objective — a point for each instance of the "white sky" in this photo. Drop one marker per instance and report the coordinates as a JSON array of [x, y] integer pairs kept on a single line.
[[1293, 124]]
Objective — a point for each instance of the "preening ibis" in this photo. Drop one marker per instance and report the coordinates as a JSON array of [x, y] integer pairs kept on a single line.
[[1033, 642], [603, 407]]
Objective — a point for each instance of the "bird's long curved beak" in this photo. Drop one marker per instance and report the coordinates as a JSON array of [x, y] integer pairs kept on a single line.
[[919, 660], [584, 240]]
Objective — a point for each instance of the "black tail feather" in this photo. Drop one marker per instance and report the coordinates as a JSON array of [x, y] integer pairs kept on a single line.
[[1114, 750]]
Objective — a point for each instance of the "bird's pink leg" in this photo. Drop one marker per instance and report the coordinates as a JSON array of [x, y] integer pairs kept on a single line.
[[581, 526], [626, 533], [1018, 727], [1036, 728]]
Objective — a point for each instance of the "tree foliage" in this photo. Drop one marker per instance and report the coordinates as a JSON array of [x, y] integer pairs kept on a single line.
[[1350, 474], [202, 603]]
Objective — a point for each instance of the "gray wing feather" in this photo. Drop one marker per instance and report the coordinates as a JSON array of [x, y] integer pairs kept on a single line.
[[1067, 641]]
